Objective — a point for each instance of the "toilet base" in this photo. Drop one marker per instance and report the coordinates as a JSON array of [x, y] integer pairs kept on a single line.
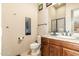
[[38, 53]]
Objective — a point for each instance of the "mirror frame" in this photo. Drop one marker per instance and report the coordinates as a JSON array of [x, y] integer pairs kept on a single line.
[[57, 23]]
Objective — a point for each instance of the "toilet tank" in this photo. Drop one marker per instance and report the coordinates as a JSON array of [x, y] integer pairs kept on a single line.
[[39, 39]]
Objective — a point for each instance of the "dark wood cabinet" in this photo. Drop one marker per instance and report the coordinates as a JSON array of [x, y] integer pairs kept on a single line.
[[55, 50], [69, 52], [44, 47], [54, 47], [44, 50]]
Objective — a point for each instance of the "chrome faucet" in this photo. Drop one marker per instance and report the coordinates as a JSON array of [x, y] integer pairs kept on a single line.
[[67, 33]]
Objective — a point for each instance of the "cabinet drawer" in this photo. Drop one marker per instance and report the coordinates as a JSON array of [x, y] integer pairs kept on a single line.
[[56, 42], [70, 45], [44, 40], [69, 52]]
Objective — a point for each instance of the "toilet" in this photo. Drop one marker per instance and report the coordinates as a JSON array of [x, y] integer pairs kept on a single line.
[[34, 48]]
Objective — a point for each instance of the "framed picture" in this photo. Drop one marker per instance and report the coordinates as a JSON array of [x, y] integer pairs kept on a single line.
[[48, 4], [40, 7]]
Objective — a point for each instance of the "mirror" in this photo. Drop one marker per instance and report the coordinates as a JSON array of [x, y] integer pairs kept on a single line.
[[53, 26], [61, 27], [56, 15], [75, 20], [58, 25]]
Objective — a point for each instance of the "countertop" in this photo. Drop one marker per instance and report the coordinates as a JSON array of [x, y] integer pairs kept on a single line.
[[61, 38]]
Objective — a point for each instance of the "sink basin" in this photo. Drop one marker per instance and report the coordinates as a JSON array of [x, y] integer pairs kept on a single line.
[[58, 35], [66, 37]]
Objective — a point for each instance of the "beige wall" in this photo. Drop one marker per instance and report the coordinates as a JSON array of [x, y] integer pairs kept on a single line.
[[60, 12], [52, 12], [56, 13], [43, 19], [16, 24]]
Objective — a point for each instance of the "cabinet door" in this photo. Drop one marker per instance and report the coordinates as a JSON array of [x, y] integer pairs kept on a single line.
[[55, 50], [45, 50], [69, 52]]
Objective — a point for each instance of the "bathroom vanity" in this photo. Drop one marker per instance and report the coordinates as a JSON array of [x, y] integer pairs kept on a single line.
[[66, 23], [55, 46]]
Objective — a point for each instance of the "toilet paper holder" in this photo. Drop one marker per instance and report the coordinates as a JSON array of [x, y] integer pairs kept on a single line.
[[20, 39]]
